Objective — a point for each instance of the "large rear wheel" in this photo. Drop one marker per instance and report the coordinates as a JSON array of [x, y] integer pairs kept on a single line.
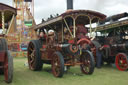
[[3, 48], [88, 63], [34, 55], [57, 64], [121, 61], [8, 61], [8, 68]]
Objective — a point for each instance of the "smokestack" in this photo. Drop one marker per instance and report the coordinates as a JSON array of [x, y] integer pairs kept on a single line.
[[69, 4]]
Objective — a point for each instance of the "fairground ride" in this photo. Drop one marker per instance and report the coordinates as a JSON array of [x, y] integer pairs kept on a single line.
[[24, 20]]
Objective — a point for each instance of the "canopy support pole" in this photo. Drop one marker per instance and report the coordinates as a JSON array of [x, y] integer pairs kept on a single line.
[[3, 22]]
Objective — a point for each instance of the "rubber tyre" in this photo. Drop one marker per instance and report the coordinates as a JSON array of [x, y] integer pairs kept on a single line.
[[57, 55], [37, 62], [87, 59], [96, 44], [3, 45], [10, 68]]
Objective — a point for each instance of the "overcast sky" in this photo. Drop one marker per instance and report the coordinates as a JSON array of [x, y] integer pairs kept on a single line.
[[43, 8]]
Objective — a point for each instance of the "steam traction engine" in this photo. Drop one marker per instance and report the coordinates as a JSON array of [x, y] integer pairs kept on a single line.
[[114, 39], [58, 43], [7, 22]]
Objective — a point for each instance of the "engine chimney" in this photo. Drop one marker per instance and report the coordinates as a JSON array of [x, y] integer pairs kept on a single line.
[[69, 4]]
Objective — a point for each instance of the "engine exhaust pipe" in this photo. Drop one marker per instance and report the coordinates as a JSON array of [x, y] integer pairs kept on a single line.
[[69, 4]]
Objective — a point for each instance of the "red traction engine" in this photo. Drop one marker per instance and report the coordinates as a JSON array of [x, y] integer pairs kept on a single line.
[[114, 40], [121, 59], [7, 23], [57, 44]]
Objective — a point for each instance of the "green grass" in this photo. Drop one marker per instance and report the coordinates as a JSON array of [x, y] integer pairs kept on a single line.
[[107, 75]]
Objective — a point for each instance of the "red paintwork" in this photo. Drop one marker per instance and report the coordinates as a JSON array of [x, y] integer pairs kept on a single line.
[[89, 12], [47, 54], [6, 68], [0, 25], [71, 41], [83, 40], [121, 62], [4, 59], [45, 36], [44, 46], [81, 31], [81, 28], [105, 46], [2, 56]]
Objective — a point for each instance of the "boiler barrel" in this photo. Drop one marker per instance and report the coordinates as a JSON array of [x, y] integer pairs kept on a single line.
[[123, 46]]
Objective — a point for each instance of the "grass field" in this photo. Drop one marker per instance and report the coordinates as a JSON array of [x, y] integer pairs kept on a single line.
[[107, 75]]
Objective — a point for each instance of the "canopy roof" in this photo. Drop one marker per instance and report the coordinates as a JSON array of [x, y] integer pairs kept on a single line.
[[73, 13], [114, 25], [8, 11], [87, 12]]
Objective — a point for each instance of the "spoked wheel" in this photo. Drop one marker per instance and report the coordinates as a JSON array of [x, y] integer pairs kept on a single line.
[[8, 68], [88, 64], [58, 64], [34, 55], [121, 61]]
